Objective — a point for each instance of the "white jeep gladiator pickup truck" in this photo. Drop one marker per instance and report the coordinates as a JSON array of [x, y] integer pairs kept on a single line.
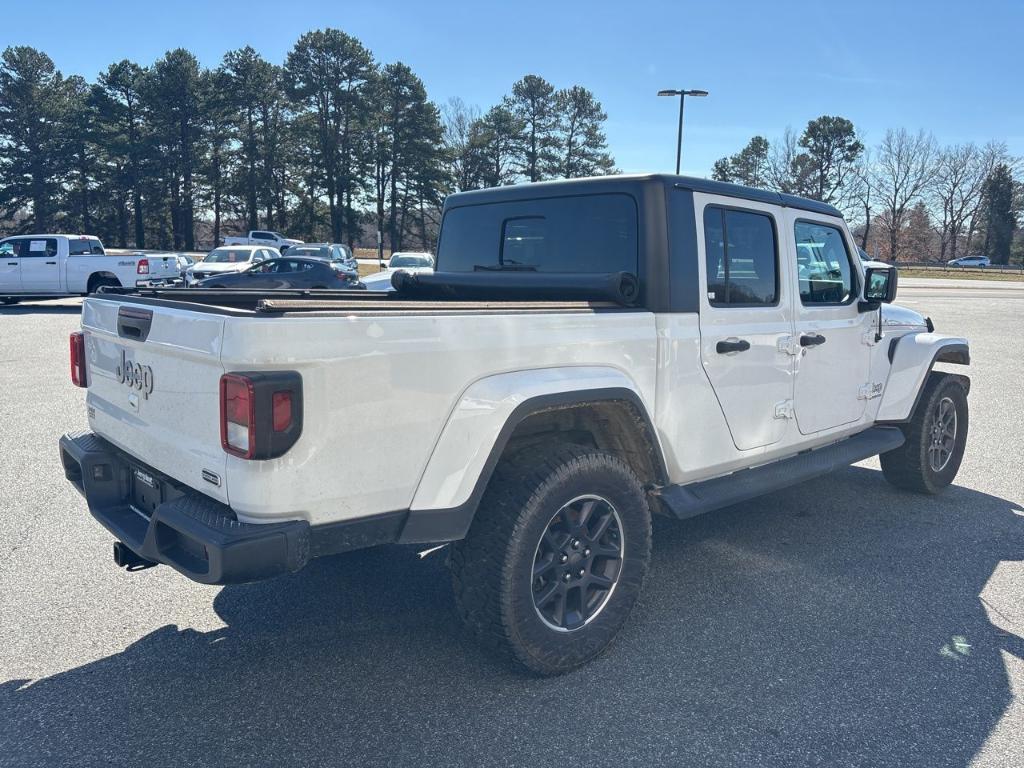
[[50, 266], [588, 353], [264, 237]]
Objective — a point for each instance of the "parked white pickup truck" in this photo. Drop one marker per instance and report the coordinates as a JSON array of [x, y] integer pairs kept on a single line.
[[49, 266], [587, 354], [264, 237]]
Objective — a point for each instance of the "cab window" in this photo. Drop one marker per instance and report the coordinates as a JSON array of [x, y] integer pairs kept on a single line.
[[84, 246], [741, 258], [823, 264], [587, 234]]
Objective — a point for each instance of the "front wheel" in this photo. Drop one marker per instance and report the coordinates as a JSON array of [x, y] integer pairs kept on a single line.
[[936, 437], [556, 557]]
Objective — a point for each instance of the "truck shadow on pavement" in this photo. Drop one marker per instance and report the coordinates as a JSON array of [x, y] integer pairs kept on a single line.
[[841, 623], [40, 309]]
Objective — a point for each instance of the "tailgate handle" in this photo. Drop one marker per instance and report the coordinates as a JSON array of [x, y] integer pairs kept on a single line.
[[134, 323]]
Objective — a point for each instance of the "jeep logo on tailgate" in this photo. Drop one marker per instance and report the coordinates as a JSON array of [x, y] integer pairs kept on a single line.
[[134, 375]]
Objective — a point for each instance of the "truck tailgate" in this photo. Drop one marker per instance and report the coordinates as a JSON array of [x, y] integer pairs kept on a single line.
[[162, 268], [154, 377]]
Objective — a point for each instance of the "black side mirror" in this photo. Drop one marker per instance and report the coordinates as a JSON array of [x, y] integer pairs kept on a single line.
[[879, 287]]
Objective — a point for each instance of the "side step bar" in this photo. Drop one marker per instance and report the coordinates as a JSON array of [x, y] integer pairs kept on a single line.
[[697, 498]]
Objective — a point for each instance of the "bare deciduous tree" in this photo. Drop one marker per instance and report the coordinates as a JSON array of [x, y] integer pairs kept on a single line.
[[904, 168], [458, 118], [956, 193]]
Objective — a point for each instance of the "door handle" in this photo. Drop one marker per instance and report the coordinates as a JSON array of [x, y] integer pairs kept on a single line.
[[725, 347], [12, 263], [51, 262], [811, 340]]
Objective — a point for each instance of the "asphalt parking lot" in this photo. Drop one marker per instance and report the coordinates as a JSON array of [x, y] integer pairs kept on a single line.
[[838, 623]]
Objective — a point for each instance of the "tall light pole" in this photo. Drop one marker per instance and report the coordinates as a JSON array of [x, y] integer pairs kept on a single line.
[[682, 94]]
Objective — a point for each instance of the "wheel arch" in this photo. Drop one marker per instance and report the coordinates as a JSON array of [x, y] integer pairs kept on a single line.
[[912, 358], [95, 277], [599, 407]]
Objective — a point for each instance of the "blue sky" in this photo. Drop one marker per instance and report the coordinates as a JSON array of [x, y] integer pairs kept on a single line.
[[955, 69]]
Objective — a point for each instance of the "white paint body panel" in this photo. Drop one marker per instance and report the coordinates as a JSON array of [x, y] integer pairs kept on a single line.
[[378, 392], [910, 365], [176, 429], [482, 411]]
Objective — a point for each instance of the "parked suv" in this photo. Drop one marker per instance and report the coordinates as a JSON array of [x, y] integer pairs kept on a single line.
[[587, 354], [228, 260], [329, 251]]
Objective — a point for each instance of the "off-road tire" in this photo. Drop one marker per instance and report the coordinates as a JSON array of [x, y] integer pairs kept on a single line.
[[909, 467], [492, 568]]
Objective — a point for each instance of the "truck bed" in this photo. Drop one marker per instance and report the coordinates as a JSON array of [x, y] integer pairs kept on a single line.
[[327, 303]]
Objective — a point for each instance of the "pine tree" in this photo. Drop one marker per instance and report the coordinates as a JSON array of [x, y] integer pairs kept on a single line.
[[331, 75], [584, 148], [33, 107], [535, 107], [1000, 214]]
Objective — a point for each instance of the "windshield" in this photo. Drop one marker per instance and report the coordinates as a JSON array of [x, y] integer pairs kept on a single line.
[[316, 252], [227, 255], [410, 260]]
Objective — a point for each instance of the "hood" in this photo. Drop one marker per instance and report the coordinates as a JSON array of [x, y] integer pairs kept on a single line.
[[293, 242], [894, 316], [226, 266]]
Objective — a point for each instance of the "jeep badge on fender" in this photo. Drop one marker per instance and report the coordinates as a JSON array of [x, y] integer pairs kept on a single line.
[[134, 375]]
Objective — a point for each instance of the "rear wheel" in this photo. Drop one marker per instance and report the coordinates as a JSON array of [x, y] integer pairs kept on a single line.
[[935, 439], [98, 282], [555, 559]]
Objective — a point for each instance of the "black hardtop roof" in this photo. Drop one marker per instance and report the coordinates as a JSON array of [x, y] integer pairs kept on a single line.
[[629, 182]]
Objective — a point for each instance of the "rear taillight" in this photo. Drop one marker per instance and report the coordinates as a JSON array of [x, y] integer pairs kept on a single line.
[[79, 376], [282, 416], [237, 415], [260, 413], [143, 268]]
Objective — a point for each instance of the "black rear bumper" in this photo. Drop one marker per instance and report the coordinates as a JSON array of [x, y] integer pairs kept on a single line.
[[172, 524]]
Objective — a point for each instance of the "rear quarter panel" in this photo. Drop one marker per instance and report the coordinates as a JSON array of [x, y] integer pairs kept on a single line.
[[378, 392]]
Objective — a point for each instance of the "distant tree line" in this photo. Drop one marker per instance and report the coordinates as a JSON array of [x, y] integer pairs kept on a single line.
[[909, 199], [329, 145]]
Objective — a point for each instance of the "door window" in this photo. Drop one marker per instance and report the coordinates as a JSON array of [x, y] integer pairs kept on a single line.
[[741, 257], [8, 249], [823, 264], [43, 247]]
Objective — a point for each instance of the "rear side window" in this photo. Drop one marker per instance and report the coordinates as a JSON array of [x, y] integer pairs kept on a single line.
[[823, 264], [85, 246], [741, 257], [588, 233]]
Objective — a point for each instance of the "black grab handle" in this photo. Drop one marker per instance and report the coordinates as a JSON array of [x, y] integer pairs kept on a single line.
[[724, 347], [133, 323], [812, 340]]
